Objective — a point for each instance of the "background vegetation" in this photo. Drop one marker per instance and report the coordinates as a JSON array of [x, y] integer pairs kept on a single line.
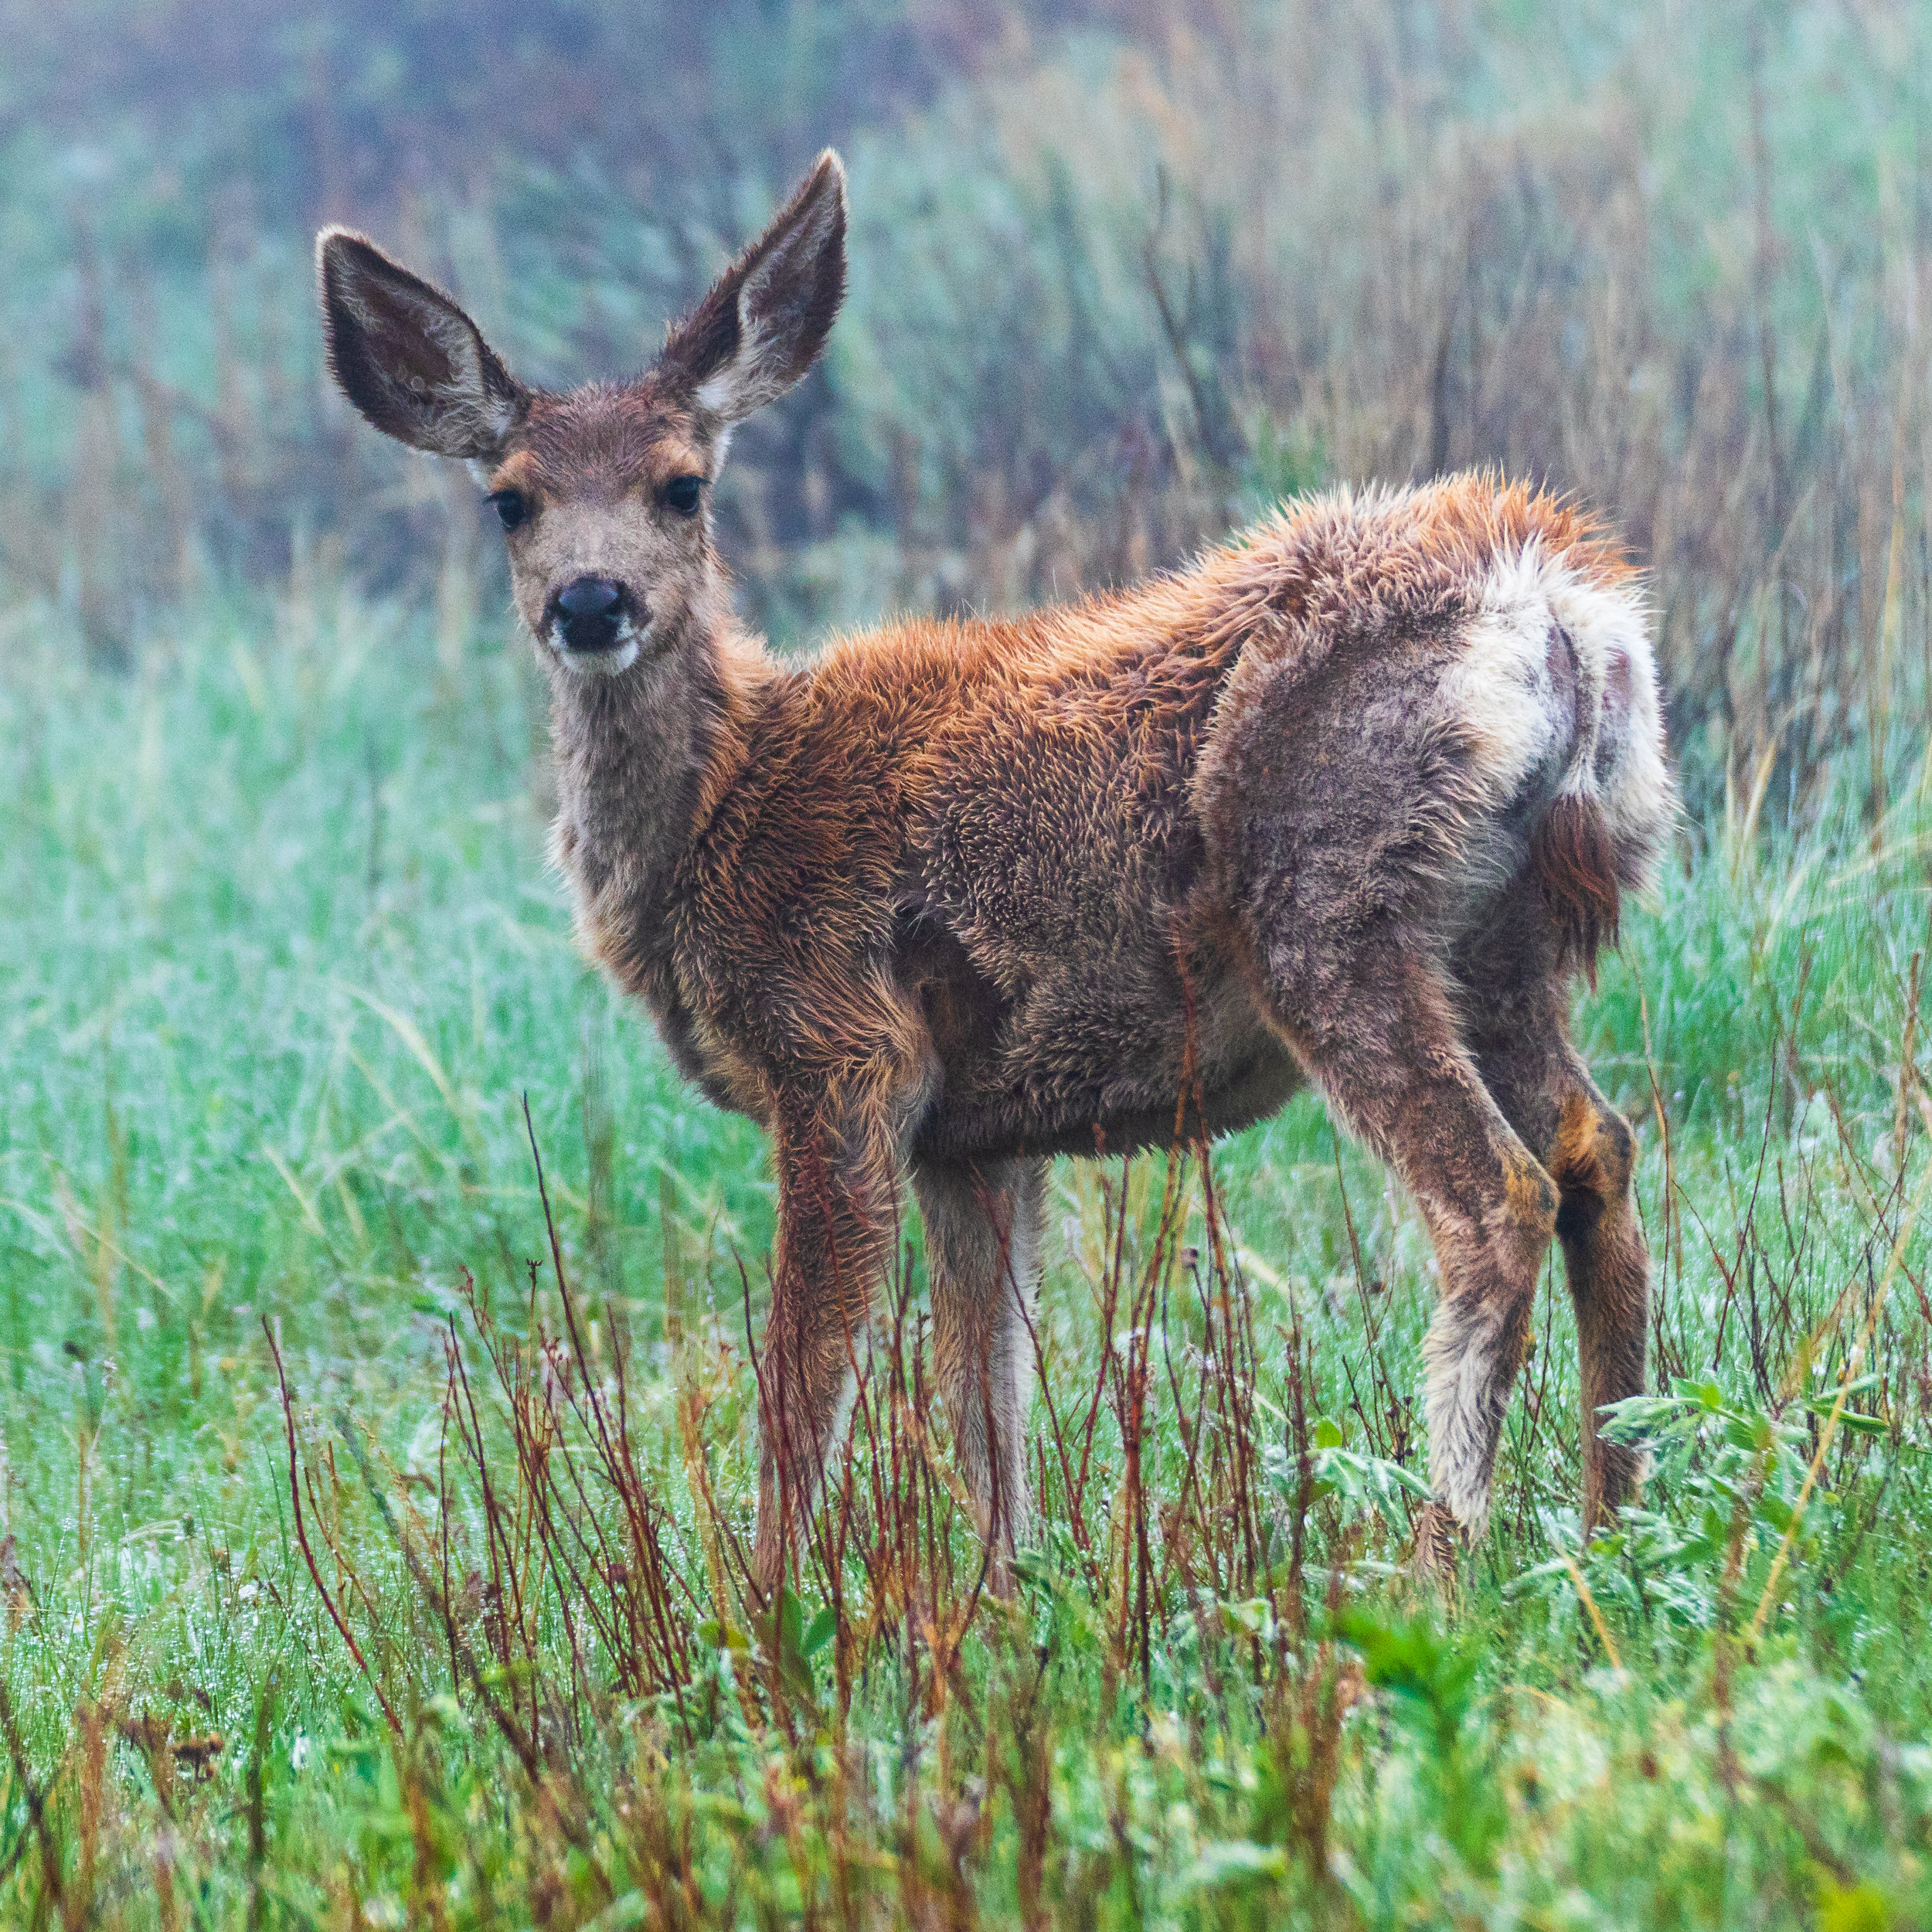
[[282, 964]]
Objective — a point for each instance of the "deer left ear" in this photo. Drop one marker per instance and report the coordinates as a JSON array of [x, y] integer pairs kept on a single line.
[[407, 357], [766, 317]]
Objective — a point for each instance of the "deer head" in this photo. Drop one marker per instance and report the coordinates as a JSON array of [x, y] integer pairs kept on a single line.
[[604, 492]]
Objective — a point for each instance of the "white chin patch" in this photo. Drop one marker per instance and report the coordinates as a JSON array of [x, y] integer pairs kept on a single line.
[[601, 664]]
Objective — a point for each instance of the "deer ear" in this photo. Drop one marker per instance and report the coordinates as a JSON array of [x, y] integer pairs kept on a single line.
[[768, 315], [407, 357]]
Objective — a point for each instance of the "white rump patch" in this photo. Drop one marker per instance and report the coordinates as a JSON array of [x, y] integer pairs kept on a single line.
[[1503, 695], [1624, 769], [1500, 689]]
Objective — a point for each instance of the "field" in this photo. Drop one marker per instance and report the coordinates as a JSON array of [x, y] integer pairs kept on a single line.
[[291, 1000], [377, 1308]]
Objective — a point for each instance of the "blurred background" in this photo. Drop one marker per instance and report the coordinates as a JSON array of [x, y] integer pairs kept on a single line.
[[1124, 271]]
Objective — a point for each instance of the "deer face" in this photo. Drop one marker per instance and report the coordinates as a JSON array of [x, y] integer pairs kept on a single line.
[[602, 495], [604, 492]]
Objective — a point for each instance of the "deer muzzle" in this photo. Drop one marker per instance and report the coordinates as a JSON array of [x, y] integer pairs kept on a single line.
[[591, 614]]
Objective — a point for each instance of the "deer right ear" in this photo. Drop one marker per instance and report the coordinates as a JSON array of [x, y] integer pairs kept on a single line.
[[767, 316], [407, 357]]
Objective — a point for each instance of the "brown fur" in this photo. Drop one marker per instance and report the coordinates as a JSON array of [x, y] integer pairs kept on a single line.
[[938, 903], [1577, 867]]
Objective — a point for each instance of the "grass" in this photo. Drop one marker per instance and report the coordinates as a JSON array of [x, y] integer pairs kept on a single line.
[[284, 963]]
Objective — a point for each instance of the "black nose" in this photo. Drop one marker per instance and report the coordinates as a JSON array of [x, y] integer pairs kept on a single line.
[[590, 598], [587, 613]]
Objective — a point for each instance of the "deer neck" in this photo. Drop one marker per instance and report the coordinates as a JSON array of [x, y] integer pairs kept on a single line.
[[642, 759]]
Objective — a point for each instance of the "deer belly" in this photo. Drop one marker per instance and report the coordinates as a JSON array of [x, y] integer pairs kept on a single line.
[[1080, 1069]]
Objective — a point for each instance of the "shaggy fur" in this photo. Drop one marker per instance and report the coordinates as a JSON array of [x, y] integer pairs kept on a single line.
[[1358, 791]]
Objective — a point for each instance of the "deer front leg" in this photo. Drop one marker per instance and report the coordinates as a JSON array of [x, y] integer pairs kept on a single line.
[[837, 1205], [982, 1255]]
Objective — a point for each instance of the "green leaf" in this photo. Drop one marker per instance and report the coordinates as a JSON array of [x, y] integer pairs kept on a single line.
[[1254, 1618], [443, 1711], [1646, 1421], [1235, 1861], [633, 1908], [1857, 1908], [1851, 1388]]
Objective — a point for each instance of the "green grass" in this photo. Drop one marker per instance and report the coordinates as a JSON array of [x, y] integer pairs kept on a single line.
[[283, 959]]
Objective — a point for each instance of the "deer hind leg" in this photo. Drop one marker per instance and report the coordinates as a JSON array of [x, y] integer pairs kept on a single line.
[[1378, 1031], [1608, 1264], [982, 1252], [1518, 1029]]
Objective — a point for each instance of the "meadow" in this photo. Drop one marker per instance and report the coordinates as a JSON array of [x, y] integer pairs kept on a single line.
[[377, 1309], [293, 1007]]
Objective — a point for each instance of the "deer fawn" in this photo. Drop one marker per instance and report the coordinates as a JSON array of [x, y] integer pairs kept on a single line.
[[1353, 798]]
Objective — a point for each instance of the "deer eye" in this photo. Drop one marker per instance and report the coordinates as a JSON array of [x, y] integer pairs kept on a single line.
[[681, 494], [511, 507]]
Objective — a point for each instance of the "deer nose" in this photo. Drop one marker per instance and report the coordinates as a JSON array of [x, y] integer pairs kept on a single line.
[[590, 598], [587, 612]]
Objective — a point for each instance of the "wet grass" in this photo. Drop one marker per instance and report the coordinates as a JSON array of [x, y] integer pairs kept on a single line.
[[283, 967]]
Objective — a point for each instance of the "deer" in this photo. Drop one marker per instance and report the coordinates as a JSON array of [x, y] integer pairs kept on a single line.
[[1354, 798]]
